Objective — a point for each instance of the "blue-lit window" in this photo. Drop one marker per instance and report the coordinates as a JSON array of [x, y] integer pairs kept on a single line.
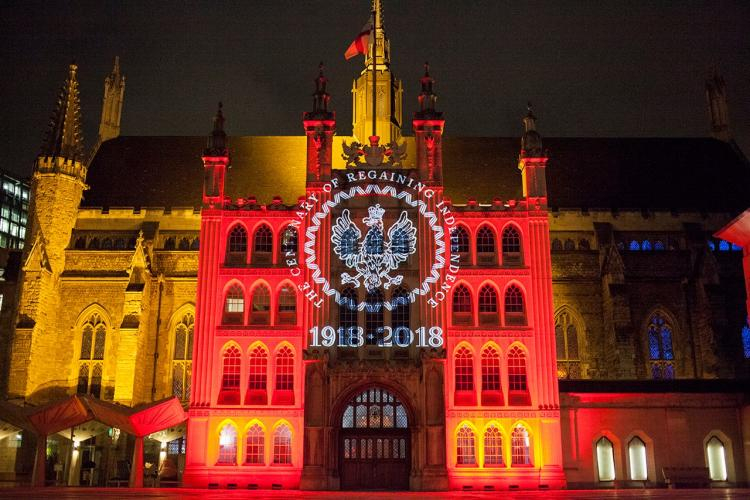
[[711, 246], [736, 248], [746, 339], [723, 246], [646, 246], [659, 245], [660, 350], [634, 246]]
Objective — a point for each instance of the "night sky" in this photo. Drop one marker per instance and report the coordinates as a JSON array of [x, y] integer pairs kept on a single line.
[[594, 68]]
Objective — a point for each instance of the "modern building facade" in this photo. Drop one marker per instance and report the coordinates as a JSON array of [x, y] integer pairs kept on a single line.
[[14, 211]]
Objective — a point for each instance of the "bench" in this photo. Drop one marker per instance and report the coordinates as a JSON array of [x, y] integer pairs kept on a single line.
[[687, 477]]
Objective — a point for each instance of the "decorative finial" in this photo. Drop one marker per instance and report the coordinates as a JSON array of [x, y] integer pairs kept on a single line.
[[531, 141], [426, 68], [217, 141], [427, 98], [321, 96]]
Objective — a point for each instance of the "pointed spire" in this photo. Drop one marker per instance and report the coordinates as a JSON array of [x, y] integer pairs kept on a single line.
[[531, 141], [64, 138], [718, 108], [427, 98], [321, 98], [114, 93], [379, 44], [217, 141]]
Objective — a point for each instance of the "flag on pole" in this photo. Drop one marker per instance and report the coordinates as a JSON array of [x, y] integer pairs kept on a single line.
[[360, 43]]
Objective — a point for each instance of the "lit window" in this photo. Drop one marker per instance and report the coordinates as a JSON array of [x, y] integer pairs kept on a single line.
[[287, 305], [282, 445], [228, 445], [517, 383], [566, 341], [230, 377], [465, 446], [261, 313], [637, 457], [659, 245], [660, 350], [634, 246], [289, 241], [711, 245], [90, 365], [374, 317], [464, 362], [493, 447], [234, 306], [400, 319], [348, 313], [717, 462], [284, 376], [723, 246], [257, 377], [255, 446], [745, 336], [520, 444], [491, 389], [182, 365], [605, 459], [515, 311], [646, 246]]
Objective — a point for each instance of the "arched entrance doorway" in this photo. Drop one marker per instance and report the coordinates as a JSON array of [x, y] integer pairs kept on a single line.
[[374, 442]]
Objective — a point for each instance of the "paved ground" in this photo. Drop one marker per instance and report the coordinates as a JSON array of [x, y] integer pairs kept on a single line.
[[174, 493]]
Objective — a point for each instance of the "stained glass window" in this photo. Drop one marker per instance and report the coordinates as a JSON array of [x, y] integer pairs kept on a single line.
[[93, 345], [182, 357], [660, 350]]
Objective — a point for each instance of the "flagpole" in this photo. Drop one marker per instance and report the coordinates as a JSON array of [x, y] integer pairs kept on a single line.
[[374, 72]]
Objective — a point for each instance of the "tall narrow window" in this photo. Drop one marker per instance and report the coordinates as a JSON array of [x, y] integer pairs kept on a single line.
[[287, 305], [348, 314], [746, 339], [261, 313], [230, 377], [460, 244], [491, 390], [374, 317], [289, 241], [488, 312], [493, 447], [465, 446], [400, 317], [518, 390], [284, 388], [255, 446], [462, 310], [464, 381], [520, 447], [227, 445], [91, 360], [637, 458], [257, 386], [605, 459], [182, 364], [511, 243], [236, 246], [282, 445], [486, 247], [262, 245], [566, 339], [717, 461], [234, 306], [660, 347], [515, 310]]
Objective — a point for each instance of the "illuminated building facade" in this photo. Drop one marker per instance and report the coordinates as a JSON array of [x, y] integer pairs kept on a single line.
[[585, 328], [14, 211]]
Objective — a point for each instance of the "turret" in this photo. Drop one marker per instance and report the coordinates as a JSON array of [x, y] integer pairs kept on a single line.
[[320, 126], [718, 110], [215, 163], [533, 162], [428, 126], [114, 92]]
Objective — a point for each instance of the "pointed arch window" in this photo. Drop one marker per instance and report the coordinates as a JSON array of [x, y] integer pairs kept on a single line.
[[227, 445], [661, 355], [263, 245], [566, 340], [717, 460], [400, 316], [289, 241], [261, 313], [515, 309], [283, 393], [464, 377], [255, 449], [462, 309], [511, 243], [520, 447], [257, 377], [465, 446], [282, 445], [230, 377], [493, 447], [605, 459], [91, 360], [182, 364], [637, 459], [486, 247], [460, 244], [348, 314], [488, 311], [287, 305], [374, 321], [492, 394], [236, 246], [518, 388], [234, 306]]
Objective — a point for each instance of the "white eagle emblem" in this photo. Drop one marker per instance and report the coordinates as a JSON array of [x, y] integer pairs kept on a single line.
[[373, 258]]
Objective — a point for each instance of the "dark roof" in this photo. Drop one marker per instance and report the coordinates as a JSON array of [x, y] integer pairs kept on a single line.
[[655, 386], [698, 174]]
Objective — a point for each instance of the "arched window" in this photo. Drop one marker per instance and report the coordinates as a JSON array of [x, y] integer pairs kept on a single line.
[[80, 243], [91, 360], [234, 306], [282, 445], [646, 246], [485, 247], [169, 243], [287, 305], [566, 340], [465, 446], [584, 244], [488, 312], [464, 373], [94, 244], [262, 245], [261, 313], [605, 459], [288, 242], [348, 313], [638, 460], [257, 377], [634, 246], [724, 246], [660, 347], [518, 389], [557, 245], [184, 244], [228, 445], [717, 461], [515, 311], [570, 245], [511, 246], [195, 244], [659, 245], [493, 447], [230, 377], [255, 449], [374, 317], [236, 246], [520, 447], [492, 394], [107, 244], [462, 310], [460, 244], [400, 316], [746, 339], [182, 364], [284, 388]]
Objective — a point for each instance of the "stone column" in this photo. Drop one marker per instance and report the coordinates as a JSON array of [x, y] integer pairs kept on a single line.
[[136, 470]]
